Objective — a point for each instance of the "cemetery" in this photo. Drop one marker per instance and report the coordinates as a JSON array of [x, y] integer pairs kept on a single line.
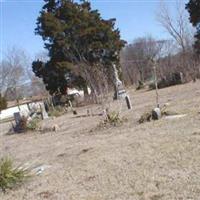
[[137, 152], [96, 110]]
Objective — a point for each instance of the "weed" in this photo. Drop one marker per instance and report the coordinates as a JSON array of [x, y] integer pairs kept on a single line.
[[10, 176], [32, 124], [112, 119]]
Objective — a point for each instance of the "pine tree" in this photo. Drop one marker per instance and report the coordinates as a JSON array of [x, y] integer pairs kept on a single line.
[[80, 43], [193, 8]]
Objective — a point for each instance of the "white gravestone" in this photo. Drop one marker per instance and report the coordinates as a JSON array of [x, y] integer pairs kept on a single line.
[[120, 92]]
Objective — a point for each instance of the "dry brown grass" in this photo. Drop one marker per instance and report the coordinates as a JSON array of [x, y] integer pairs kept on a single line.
[[159, 160]]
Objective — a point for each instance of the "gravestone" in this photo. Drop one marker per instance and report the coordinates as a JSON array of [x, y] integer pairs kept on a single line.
[[156, 114], [120, 92], [17, 117]]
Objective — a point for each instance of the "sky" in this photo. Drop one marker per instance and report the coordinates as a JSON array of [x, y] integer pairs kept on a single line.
[[134, 18]]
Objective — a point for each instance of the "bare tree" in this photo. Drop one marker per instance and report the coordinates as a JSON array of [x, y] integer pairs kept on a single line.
[[135, 58], [177, 26], [12, 71], [182, 33]]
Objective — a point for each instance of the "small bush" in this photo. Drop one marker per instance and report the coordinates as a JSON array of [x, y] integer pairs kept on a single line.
[[10, 176], [56, 112], [112, 119], [32, 125]]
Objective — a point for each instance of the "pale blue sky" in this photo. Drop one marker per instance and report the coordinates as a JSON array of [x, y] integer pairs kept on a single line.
[[135, 18]]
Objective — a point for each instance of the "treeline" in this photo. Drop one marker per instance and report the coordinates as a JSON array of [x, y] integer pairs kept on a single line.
[[178, 54], [136, 61]]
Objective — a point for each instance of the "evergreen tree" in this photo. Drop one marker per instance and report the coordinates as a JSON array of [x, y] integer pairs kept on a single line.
[[80, 43], [193, 8]]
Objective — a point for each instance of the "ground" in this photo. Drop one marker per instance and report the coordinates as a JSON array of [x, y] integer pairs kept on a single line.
[[158, 160]]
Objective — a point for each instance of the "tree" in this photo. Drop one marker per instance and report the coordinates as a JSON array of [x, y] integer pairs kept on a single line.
[[136, 58], [82, 46], [12, 69], [177, 26], [182, 33], [193, 8], [37, 85]]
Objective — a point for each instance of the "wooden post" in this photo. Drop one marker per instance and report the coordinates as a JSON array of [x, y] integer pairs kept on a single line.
[[18, 105], [156, 82], [128, 102], [41, 112]]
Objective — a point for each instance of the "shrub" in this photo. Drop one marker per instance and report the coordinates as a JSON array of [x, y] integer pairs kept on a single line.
[[113, 119], [32, 125], [56, 112], [11, 176]]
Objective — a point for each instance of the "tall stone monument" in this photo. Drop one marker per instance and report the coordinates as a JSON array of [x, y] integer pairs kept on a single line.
[[120, 92]]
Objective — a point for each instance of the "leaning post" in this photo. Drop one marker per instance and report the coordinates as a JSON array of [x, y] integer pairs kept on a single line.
[[156, 82], [156, 112]]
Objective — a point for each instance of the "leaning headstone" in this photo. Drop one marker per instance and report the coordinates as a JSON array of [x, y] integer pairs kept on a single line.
[[18, 127], [17, 117], [156, 113]]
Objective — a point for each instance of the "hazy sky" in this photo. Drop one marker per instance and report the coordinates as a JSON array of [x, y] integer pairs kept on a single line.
[[135, 18]]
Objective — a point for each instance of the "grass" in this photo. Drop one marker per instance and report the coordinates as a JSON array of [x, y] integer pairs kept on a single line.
[[33, 124], [10, 176], [112, 119], [56, 112]]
